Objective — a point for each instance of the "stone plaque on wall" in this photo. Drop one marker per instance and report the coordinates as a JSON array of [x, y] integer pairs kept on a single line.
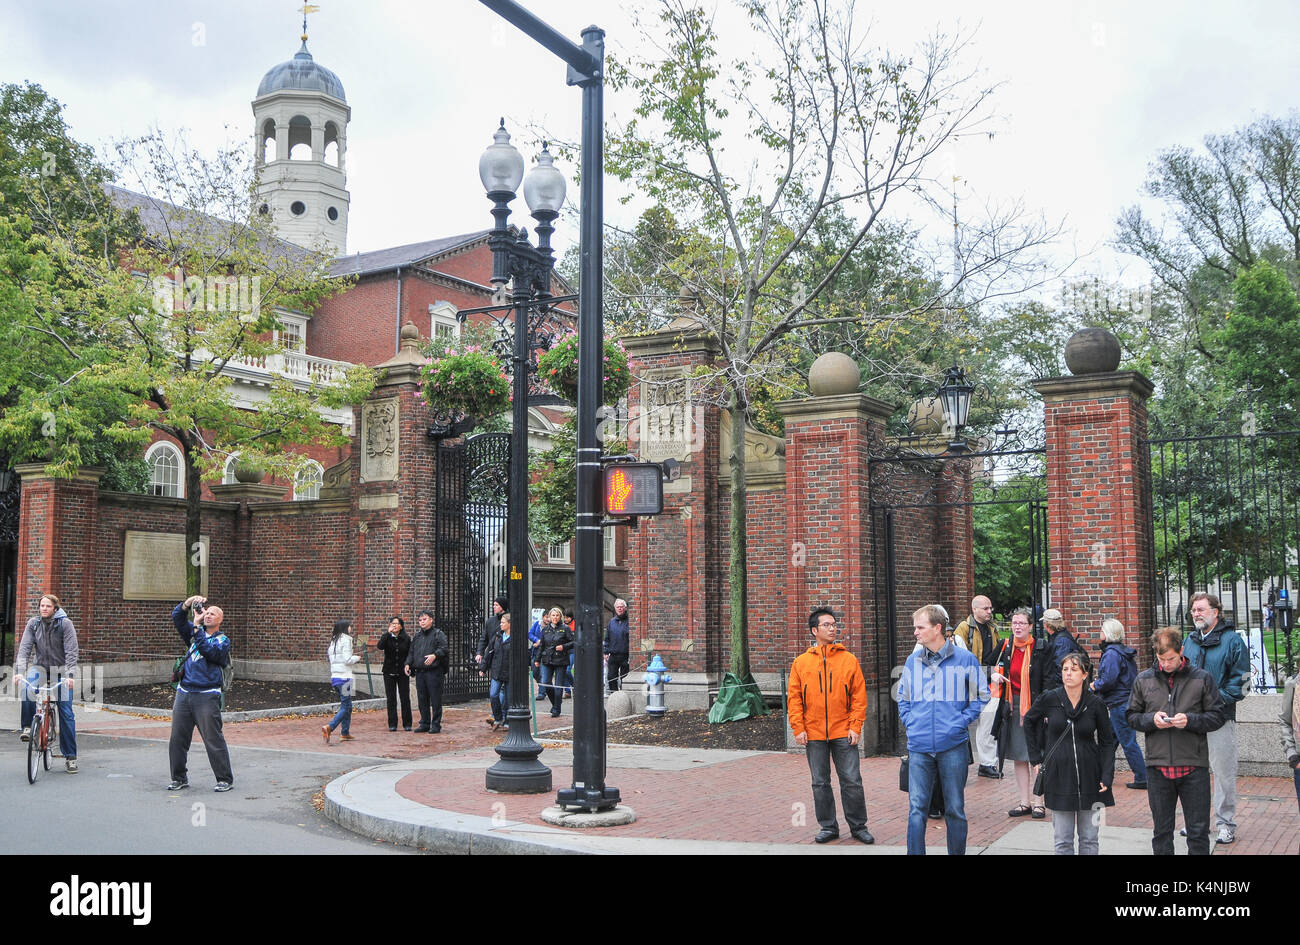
[[669, 426], [153, 566], [379, 436]]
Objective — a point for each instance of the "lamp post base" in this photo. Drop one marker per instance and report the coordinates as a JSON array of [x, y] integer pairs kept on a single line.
[[518, 771], [588, 799]]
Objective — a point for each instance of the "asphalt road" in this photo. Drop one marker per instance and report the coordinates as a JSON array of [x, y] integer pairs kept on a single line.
[[118, 803]]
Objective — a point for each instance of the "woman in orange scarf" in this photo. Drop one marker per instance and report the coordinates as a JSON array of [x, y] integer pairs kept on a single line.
[[1021, 671]]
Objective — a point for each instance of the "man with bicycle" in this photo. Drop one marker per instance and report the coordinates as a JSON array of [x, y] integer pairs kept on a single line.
[[198, 693], [49, 645]]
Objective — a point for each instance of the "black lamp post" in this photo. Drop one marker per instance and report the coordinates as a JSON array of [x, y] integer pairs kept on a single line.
[[955, 393], [526, 270]]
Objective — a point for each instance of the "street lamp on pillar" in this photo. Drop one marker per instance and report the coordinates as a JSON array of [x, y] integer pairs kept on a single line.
[[955, 393], [521, 274]]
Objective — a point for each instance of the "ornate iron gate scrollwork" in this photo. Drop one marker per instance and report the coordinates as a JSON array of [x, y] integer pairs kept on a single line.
[[472, 484]]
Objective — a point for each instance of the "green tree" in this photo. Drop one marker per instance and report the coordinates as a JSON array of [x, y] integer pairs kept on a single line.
[[122, 338], [752, 154]]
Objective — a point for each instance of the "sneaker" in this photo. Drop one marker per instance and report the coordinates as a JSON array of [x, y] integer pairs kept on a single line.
[[346, 738], [71, 764], [26, 735], [1226, 835], [222, 787], [989, 771], [1183, 832], [178, 785], [393, 728]]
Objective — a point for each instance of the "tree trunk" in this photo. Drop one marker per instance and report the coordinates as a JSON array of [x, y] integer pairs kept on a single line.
[[739, 566], [194, 554]]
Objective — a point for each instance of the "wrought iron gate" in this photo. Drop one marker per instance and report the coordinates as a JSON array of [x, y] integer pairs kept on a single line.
[[1225, 518], [899, 501], [472, 484]]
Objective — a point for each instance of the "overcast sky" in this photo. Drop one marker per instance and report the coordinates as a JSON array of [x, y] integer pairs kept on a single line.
[[1092, 88]]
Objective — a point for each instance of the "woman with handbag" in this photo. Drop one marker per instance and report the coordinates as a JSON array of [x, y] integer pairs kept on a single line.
[[341, 660], [1020, 670], [553, 657], [1069, 732]]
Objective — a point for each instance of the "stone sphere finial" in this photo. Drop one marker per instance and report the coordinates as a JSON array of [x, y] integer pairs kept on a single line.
[[925, 418], [1092, 351], [834, 373], [409, 334]]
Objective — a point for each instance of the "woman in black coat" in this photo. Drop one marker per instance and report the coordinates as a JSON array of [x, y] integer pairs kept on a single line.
[[553, 657], [1069, 732], [395, 644]]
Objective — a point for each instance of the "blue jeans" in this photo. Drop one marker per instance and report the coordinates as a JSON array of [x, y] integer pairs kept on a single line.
[[1163, 794], [553, 685], [1128, 740], [950, 768], [343, 716], [820, 755], [67, 724], [499, 697]]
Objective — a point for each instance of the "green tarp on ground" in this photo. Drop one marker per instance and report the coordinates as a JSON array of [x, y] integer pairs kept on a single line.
[[737, 699]]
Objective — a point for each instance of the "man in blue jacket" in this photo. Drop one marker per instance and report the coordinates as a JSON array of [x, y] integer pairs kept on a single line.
[[1219, 650], [198, 694], [941, 692], [616, 646]]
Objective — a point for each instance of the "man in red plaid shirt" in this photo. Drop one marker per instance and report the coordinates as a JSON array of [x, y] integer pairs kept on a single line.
[[1176, 705]]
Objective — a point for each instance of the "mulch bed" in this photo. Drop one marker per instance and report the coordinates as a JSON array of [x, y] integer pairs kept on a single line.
[[245, 695], [691, 729]]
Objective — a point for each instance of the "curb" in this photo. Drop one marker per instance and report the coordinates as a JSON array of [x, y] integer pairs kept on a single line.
[[248, 716]]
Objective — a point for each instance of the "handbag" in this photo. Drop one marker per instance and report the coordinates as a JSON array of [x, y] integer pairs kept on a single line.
[[1042, 768], [902, 774]]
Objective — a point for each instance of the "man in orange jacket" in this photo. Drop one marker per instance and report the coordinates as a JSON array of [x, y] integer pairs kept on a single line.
[[827, 706]]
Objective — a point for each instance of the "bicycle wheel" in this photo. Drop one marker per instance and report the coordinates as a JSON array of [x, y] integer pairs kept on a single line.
[[48, 740], [33, 747]]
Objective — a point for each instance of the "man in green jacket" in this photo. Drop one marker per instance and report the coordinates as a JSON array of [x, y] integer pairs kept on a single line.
[[1219, 650]]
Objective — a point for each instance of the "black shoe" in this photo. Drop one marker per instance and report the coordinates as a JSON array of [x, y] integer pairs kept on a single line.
[[863, 836], [1137, 785], [178, 785], [555, 715], [222, 787], [936, 815], [393, 728], [407, 729], [989, 771], [826, 835], [421, 729], [435, 731]]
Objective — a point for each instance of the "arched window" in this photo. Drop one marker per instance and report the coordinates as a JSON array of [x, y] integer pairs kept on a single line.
[[331, 144], [228, 471], [166, 468], [307, 482], [266, 143], [300, 138]]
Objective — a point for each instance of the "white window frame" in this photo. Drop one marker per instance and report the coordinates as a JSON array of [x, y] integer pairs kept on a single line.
[[299, 324], [559, 553], [610, 540], [174, 490], [305, 490], [228, 471], [443, 322]]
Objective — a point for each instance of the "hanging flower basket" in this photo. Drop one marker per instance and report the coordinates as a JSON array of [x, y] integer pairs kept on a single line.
[[558, 370], [461, 384]]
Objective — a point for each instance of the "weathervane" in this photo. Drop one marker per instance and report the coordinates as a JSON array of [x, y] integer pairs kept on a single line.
[[307, 8]]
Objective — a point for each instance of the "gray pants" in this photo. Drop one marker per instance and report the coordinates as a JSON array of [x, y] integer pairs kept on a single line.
[[1064, 824], [981, 734], [1223, 765], [201, 709]]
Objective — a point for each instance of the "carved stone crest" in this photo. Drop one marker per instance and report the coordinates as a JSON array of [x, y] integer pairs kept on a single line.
[[379, 441]]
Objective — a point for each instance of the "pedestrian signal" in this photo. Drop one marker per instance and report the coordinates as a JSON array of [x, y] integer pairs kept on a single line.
[[634, 489]]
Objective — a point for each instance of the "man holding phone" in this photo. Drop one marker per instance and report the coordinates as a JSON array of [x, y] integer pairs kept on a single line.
[[1177, 706]]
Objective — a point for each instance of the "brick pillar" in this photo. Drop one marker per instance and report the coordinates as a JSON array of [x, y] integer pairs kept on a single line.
[[955, 547], [57, 522], [393, 493], [1098, 504], [677, 561], [828, 524]]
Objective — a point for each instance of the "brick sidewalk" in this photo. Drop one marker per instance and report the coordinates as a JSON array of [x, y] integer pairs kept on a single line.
[[764, 797]]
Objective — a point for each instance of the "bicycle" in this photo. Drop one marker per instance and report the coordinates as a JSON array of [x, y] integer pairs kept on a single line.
[[44, 729]]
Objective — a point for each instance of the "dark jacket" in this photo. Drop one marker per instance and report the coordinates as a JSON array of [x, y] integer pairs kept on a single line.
[[1038, 663], [395, 650], [1060, 644], [1085, 756], [1224, 655], [490, 627], [980, 638], [496, 657], [423, 643], [616, 635], [553, 636], [1188, 690], [207, 655], [1116, 671]]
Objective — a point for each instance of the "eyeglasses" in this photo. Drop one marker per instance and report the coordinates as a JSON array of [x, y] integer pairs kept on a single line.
[[825, 625]]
